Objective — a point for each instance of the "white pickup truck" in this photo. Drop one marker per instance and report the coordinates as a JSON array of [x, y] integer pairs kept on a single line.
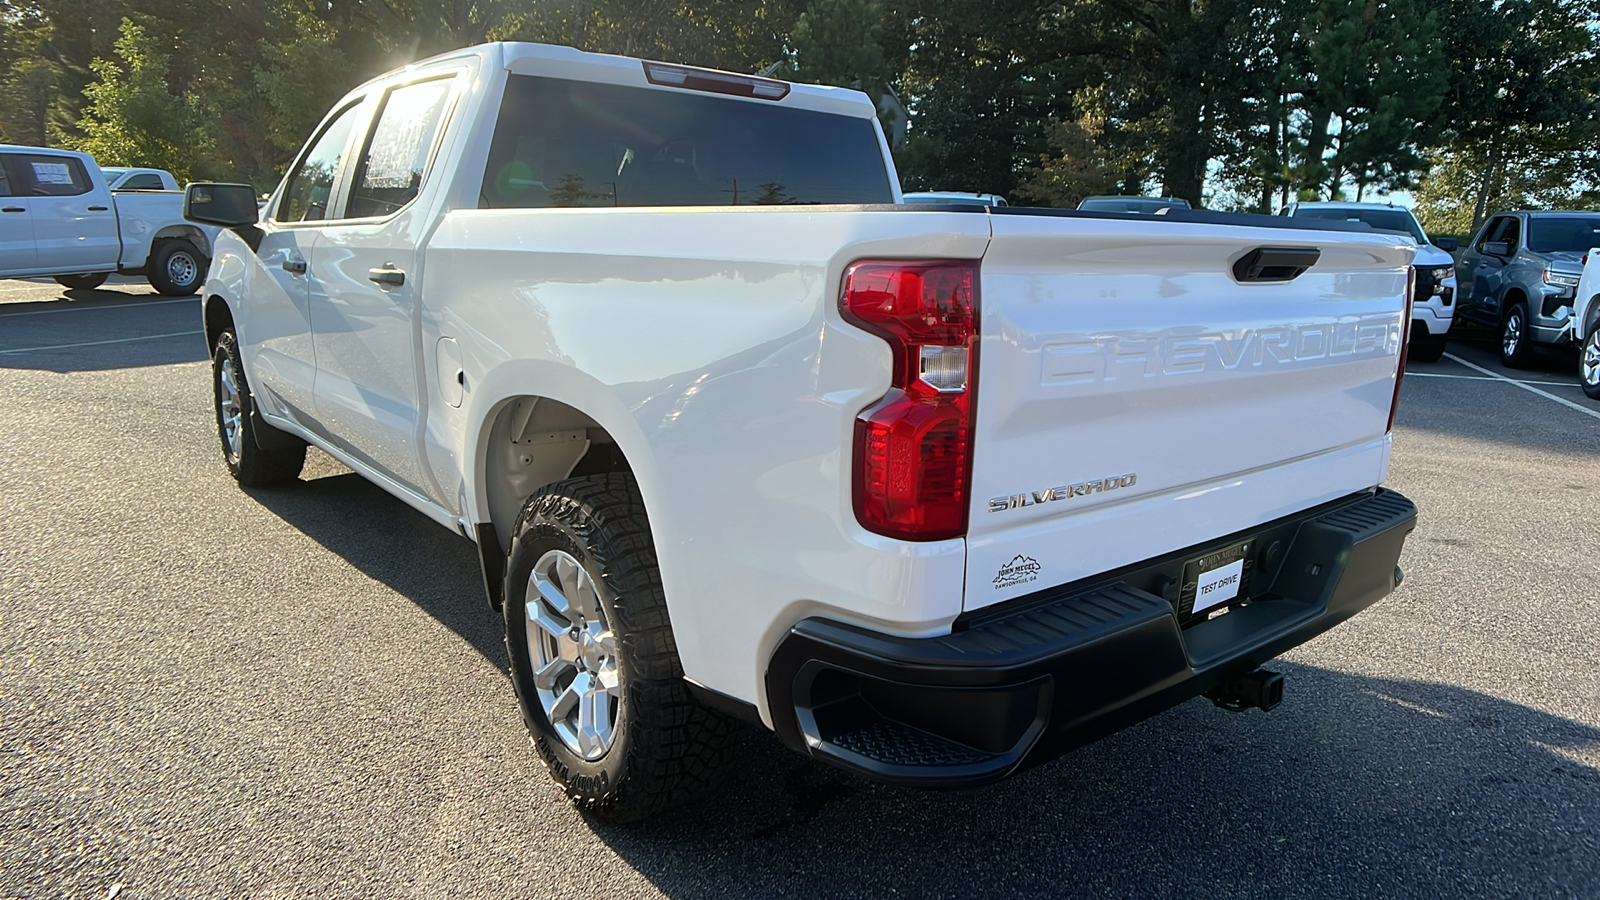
[[122, 179], [933, 493], [59, 218]]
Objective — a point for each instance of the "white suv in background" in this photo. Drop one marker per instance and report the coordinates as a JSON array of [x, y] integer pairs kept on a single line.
[[1584, 324], [1434, 306]]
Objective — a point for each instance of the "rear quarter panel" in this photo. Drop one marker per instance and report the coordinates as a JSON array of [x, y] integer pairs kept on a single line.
[[708, 343], [143, 216]]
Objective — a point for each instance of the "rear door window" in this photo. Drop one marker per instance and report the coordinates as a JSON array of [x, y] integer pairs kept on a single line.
[[568, 143], [396, 156]]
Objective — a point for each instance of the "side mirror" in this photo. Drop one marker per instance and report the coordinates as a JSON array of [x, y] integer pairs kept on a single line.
[[1496, 248], [228, 205], [1447, 244]]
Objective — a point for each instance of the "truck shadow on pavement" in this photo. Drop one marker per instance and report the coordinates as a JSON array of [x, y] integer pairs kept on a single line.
[[398, 546], [100, 331], [164, 351], [1355, 787]]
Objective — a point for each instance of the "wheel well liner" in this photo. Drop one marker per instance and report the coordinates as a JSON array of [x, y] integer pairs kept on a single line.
[[218, 318], [533, 441], [185, 232]]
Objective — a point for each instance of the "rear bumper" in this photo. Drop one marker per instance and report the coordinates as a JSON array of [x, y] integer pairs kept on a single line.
[[1070, 665]]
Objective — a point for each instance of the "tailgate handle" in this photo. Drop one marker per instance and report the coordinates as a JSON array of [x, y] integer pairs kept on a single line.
[[1275, 263]]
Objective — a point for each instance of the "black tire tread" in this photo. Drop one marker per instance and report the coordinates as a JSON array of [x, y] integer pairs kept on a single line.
[[1428, 350], [156, 267], [676, 748], [1590, 391], [257, 467], [1523, 358]]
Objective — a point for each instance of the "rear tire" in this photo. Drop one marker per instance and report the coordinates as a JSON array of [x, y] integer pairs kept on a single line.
[[82, 282], [593, 659], [1589, 364], [176, 268], [240, 428], [1516, 344]]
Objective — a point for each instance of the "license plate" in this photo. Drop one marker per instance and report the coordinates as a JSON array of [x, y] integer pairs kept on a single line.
[[1215, 579]]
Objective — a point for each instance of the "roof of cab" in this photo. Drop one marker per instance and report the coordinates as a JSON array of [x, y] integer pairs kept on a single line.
[[569, 62]]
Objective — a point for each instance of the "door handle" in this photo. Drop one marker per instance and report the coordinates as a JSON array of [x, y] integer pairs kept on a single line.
[[296, 265], [387, 275], [98, 208], [14, 209]]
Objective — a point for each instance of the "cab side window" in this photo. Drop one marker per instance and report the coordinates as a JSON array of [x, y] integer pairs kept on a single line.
[[310, 188], [5, 183], [1491, 232], [396, 156], [37, 175], [1512, 234], [144, 182]]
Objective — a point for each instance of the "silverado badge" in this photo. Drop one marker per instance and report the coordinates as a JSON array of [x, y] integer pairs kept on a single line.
[[1048, 495]]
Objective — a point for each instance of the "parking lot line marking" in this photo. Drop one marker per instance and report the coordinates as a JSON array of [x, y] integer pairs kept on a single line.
[[62, 309], [1486, 378], [1527, 387], [147, 337]]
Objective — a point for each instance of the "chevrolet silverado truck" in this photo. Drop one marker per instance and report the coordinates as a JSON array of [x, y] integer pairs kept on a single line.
[[934, 493], [60, 219]]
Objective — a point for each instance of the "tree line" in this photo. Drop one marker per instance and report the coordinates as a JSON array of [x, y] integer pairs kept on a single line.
[[1473, 105]]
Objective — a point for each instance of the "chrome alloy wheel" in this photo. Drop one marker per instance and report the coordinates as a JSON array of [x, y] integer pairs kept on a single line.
[[574, 655], [230, 411], [1512, 335], [182, 270], [1589, 360]]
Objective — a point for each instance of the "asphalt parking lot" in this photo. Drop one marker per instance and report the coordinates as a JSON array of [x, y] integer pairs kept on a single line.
[[207, 692]]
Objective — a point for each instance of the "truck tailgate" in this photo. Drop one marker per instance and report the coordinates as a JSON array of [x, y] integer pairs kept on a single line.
[[1134, 398]]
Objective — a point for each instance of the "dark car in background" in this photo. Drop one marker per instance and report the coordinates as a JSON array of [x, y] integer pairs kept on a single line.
[[1520, 276]]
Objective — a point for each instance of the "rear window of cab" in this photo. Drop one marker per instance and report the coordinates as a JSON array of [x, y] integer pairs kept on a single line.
[[560, 143]]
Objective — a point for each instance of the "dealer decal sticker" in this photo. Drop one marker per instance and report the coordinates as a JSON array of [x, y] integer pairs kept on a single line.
[[1021, 570]]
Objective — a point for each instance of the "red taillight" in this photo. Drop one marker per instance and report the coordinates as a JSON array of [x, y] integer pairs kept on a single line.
[[913, 448], [1405, 346]]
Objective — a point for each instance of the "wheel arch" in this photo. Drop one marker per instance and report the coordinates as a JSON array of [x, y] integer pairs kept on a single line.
[[218, 317], [1591, 318], [190, 233], [526, 439], [1512, 297]]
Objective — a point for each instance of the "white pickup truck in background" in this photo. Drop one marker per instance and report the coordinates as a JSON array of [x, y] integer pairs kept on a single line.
[[934, 494], [59, 218], [123, 179]]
